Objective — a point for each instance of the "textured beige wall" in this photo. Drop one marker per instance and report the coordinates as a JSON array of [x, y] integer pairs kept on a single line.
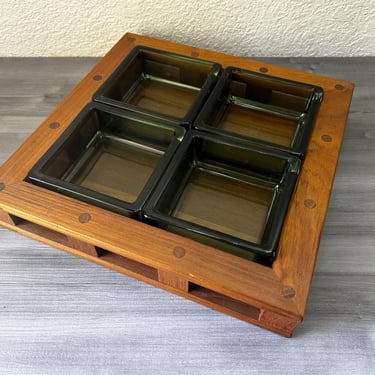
[[240, 27]]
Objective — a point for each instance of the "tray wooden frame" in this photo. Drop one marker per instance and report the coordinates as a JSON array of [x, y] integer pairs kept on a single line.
[[274, 297]]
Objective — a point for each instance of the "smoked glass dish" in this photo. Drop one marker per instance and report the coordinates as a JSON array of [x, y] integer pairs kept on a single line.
[[272, 111], [225, 194], [109, 158], [160, 84]]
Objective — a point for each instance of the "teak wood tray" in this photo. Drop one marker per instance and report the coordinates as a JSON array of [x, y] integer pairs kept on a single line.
[[273, 297]]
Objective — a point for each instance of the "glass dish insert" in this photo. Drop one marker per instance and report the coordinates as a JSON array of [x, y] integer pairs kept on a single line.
[[270, 110], [109, 158], [158, 82], [229, 195]]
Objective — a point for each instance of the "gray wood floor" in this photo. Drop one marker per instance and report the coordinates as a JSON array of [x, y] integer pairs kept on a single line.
[[62, 315]]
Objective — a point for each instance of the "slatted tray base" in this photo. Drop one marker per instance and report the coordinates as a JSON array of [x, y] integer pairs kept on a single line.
[[271, 297]]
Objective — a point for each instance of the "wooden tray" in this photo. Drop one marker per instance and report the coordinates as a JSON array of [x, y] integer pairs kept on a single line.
[[271, 297]]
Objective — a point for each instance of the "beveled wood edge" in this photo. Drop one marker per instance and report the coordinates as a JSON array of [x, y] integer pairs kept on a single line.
[[262, 317], [199, 264], [298, 250], [288, 275]]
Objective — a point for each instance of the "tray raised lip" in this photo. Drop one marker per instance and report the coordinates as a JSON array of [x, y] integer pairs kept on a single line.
[[282, 289]]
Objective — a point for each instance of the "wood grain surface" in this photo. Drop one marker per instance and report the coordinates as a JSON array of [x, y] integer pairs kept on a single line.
[[62, 315]]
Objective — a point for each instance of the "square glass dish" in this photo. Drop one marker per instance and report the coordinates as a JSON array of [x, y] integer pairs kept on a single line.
[[160, 84], [109, 158], [225, 194], [276, 112]]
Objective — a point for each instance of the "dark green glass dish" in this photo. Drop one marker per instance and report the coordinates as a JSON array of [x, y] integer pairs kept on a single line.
[[272, 111], [160, 84], [226, 194], [109, 158]]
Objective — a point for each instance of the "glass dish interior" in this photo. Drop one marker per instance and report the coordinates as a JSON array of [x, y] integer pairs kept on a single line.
[[227, 193], [160, 82], [108, 155], [259, 107]]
